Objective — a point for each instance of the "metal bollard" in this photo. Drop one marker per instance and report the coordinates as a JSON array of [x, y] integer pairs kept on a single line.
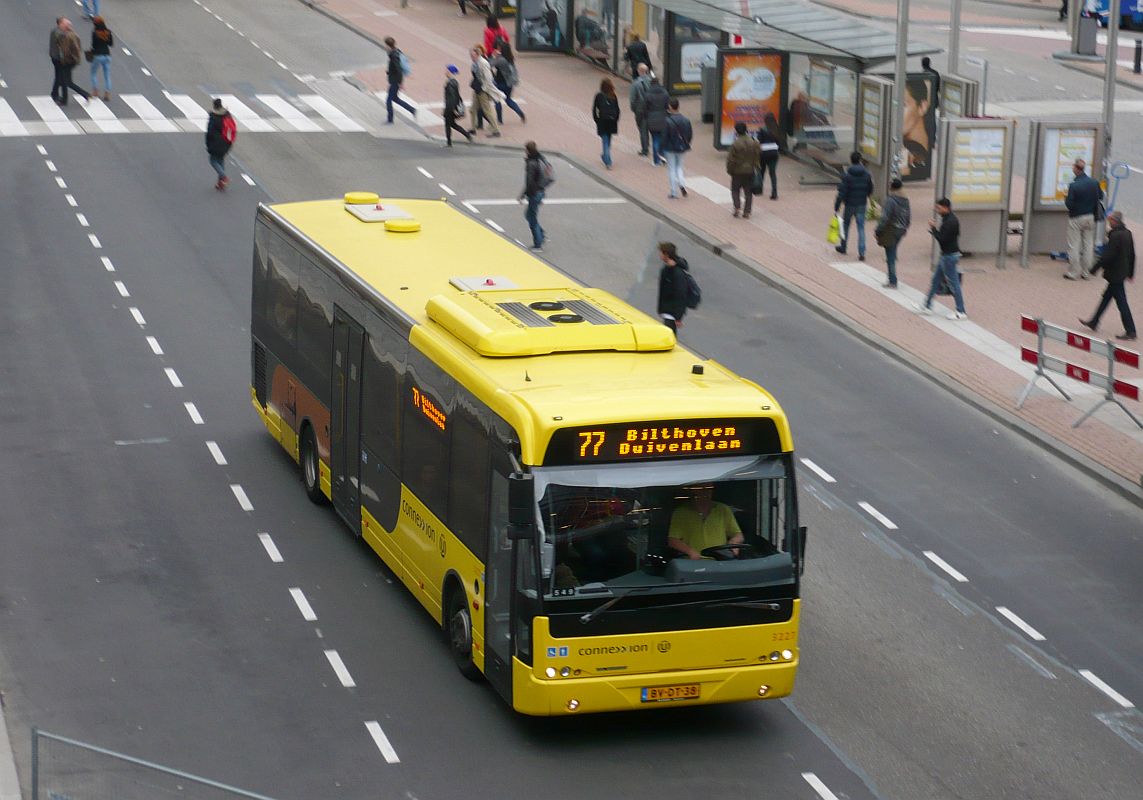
[[1138, 54]]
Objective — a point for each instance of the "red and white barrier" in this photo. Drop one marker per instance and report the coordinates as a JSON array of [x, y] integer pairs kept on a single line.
[[1113, 387]]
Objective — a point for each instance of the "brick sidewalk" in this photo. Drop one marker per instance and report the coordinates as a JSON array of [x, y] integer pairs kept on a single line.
[[785, 240]]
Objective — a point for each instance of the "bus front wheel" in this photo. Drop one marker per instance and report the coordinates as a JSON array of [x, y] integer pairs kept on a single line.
[[311, 469], [458, 627]]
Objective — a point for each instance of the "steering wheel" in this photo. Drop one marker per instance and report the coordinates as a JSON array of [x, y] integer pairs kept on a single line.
[[728, 551]]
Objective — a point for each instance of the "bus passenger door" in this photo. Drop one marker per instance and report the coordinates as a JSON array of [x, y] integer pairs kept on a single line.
[[345, 423]]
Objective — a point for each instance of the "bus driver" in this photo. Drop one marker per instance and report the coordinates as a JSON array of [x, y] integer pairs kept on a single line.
[[701, 523]]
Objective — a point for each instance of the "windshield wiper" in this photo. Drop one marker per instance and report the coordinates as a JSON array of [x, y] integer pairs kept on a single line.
[[589, 616], [747, 604]]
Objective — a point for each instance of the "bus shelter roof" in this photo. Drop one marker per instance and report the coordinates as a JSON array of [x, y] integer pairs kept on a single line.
[[799, 27]]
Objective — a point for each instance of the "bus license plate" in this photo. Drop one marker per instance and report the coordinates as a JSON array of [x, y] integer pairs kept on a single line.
[[659, 694]]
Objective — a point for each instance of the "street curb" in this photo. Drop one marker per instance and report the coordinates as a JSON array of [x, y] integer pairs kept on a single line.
[[1110, 479], [1064, 452], [1077, 68]]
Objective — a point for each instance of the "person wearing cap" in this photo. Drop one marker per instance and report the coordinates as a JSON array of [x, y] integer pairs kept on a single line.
[[701, 522], [453, 106]]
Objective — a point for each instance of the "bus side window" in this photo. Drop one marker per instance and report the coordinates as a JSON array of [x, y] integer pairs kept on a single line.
[[427, 427], [468, 482], [282, 297]]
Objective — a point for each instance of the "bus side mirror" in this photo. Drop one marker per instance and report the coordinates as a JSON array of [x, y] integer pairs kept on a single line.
[[521, 507]]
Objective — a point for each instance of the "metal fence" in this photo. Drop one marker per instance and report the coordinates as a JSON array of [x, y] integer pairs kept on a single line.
[[64, 769]]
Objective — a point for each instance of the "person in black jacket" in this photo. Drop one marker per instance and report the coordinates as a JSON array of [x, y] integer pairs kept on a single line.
[[217, 145], [853, 192], [947, 235], [672, 306], [453, 106], [770, 147], [635, 54], [534, 185], [1118, 264], [1082, 202], [605, 112], [396, 75], [655, 114]]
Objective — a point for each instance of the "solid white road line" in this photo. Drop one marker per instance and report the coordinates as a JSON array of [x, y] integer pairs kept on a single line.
[[331, 113], [192, 410], [1091, 678], [91, 237], [821, 473], [494, 226], [194, 113], [150, 115], [339, 669], [271, 548], [240, 496], [50, 113], [447, 190], [940, 562], [138, 315], [173, 377], [303, 604], [83, 223], [877, 515], [246, 116], [122, 289], [216, 453], [107, 263], [558, 201], [382, 742], [71, 200], [425, 172], [103, 117], [816, 784], [154, 343], [1032, 633], [293, 117]]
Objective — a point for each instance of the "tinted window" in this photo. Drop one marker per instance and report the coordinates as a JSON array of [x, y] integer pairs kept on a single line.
[[282, 294], [381, 399], [315, 327], [468, 482], [262, 237], [427, 425]]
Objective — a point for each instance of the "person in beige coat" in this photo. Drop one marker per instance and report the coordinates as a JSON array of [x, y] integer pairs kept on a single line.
[[485, 95]]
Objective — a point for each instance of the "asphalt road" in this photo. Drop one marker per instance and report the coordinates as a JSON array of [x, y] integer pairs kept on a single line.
[[141, 610]]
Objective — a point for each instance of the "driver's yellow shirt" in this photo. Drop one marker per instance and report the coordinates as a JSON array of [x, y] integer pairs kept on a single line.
[[717, 529]]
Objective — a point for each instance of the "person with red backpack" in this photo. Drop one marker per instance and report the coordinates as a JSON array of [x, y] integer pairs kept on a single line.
[[221, 131]]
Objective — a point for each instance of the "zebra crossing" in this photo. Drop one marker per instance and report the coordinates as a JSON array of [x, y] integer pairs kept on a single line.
[[38, 115]]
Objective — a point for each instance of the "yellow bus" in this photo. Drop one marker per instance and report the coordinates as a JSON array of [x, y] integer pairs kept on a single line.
[[526, 453]]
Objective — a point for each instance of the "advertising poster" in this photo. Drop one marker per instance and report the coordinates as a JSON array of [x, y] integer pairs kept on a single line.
[[919, 132], [543, 25], [977, 172], [1062, 146], [751, 91]]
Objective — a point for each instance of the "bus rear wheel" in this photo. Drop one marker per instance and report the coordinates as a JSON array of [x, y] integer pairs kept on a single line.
[[458, 629], [311, 468]]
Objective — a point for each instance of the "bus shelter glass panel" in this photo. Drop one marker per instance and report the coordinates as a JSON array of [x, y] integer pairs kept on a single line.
[[543, 25], [628, 25], [822, 110], [595, 28], [691, 46]]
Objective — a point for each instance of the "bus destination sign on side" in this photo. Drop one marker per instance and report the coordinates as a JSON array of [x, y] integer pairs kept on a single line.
[[430, 409], [663, 439]]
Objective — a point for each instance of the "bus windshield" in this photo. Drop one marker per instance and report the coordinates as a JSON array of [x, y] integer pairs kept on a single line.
[[717, 522]]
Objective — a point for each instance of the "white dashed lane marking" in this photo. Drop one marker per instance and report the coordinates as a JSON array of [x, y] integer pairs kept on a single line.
[[339, 669], [303, 604], [1091, 678], [138, 315], [240, 496], [216, 453], [107, 265], [1031, 632], [382, 742], [122, 289], [816, 784], [192, 410], [154, 344], [877, 515], [944, 565], [271, 548], [173, 377], [821, 473]]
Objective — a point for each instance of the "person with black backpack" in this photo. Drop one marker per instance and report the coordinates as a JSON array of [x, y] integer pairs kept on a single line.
[[678, 290], [605, 112], [538, 176]]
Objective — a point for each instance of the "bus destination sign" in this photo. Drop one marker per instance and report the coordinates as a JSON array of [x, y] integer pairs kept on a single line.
[[663, 439]]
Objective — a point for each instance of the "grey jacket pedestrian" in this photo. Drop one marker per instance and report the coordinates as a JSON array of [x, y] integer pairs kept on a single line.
[[895, 213], [638, 93], [655, 107]]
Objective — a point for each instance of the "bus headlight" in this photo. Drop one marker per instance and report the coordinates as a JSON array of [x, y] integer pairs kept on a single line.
[[565, 671], [550, 672], [775, 656], [788, 655], [573, 704], [763, 690]]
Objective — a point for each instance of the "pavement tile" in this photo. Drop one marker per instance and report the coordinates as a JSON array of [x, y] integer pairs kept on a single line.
[[787, 237]]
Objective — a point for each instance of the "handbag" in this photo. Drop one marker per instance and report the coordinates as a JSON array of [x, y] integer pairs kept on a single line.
[[756, 182], [834, 234], [888, 236], [873, 209], [89, 55]]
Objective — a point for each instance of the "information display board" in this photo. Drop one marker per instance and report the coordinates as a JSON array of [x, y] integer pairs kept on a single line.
[[1061, 147], [872, 109], [976, 159], [752, 89], [958, 96]]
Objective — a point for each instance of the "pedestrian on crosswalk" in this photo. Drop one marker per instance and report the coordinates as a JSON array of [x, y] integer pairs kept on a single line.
[[453, 106], [66, 51], [506, 78], [221, 132], [102, 41], [398, 70]]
